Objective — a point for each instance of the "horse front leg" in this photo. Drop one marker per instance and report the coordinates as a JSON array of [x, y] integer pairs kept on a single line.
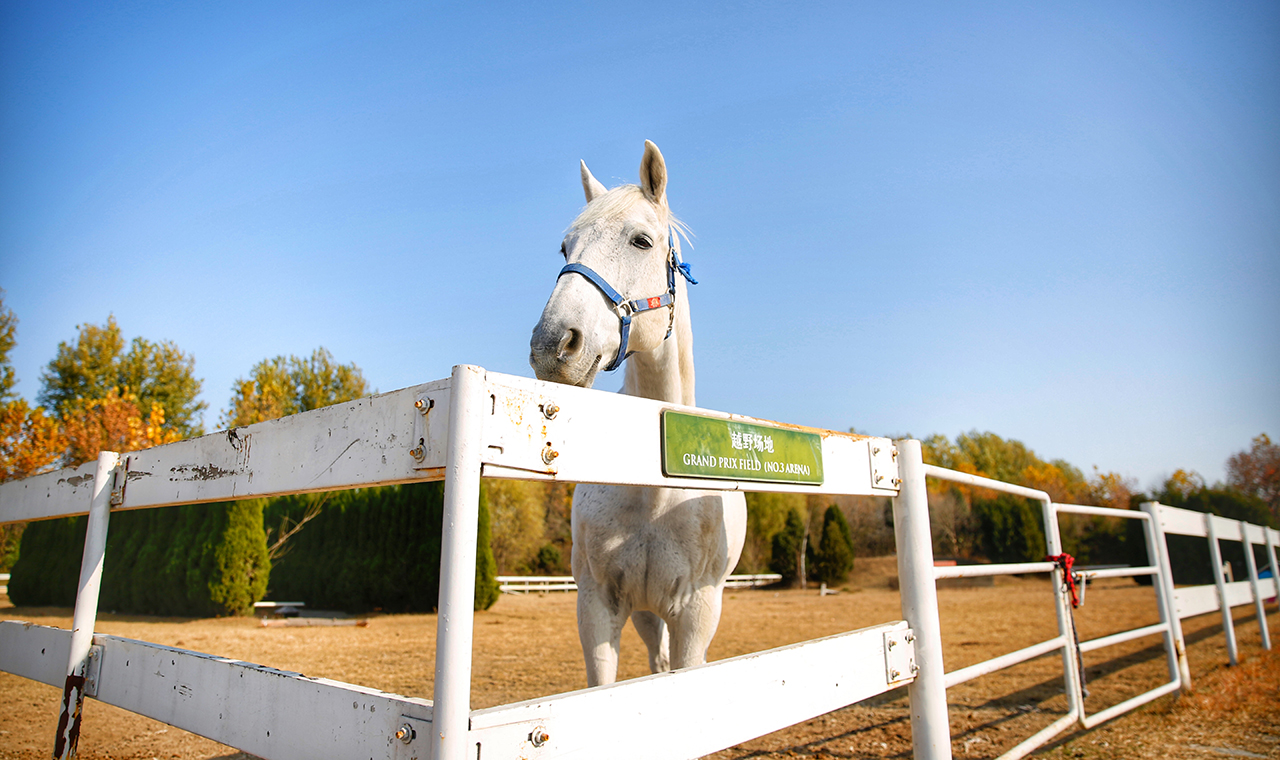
[[653, 632], [693, 627], [600, 631]]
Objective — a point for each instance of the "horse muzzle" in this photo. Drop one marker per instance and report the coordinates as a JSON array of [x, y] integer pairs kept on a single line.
[[559, 354]]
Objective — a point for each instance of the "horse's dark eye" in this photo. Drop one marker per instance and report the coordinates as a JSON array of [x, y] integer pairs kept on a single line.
[[642, 242], [563, 252]]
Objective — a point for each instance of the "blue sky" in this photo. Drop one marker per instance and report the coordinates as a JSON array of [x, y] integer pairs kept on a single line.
[[1058, 223]]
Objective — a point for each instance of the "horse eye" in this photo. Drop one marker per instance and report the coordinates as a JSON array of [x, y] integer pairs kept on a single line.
[[563, 252], [642, 242]]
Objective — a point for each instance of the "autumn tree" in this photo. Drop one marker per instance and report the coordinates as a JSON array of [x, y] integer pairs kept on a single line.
[[112, 423], [30, 441], [1256, 472], [288, 385], [154, 373], [517, 514]]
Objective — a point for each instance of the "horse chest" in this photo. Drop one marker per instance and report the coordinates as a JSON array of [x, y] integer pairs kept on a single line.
[[648, 546]]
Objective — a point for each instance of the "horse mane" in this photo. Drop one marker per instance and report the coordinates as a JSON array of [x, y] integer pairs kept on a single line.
[[621, 200]]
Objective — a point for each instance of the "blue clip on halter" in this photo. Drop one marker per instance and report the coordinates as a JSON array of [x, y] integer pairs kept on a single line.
[[626, 309]]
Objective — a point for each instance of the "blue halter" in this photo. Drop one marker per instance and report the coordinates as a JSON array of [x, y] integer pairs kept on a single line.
[[626, 309]]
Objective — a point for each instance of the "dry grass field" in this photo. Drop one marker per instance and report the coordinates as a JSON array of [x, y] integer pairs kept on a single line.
[[526, 646]]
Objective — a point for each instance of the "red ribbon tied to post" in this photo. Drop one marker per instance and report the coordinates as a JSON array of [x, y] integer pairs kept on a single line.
[[1065, 561]]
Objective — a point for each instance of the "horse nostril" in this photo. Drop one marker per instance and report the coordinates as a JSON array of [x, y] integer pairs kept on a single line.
[[570, 343]]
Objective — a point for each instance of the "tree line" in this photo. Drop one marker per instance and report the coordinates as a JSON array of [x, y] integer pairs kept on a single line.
[[99, 392]]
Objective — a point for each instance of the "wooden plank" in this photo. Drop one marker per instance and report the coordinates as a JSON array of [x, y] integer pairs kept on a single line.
[[1190, 601], [1238, 593], [35, 651], [1226, 529], [1183, 522], [708, 708], [270, 713], [54, 494], [1197, 600]]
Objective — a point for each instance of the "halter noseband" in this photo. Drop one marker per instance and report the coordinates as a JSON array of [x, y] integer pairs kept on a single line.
[[626, 309]]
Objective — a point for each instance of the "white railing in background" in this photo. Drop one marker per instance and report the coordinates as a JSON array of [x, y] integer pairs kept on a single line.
[[525, 584], [477, 424]]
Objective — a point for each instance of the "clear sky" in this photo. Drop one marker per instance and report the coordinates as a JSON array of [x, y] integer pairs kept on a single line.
[[1060, 223]]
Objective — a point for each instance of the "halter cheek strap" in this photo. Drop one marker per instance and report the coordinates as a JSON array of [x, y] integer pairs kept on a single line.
[[626, 309]]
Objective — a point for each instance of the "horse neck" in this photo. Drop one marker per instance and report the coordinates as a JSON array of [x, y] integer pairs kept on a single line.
[[666, 373]]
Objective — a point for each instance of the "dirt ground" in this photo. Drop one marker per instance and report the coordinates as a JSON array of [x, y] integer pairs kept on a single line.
[[526, 646]]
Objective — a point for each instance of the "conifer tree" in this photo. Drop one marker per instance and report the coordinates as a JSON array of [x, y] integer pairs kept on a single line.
[[833, 558]]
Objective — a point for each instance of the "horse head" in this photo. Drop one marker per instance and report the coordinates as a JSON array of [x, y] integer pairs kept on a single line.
[[617, 293]]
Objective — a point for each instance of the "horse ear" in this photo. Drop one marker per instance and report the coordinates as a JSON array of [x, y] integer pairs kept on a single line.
[[653, 174], [590, 185]]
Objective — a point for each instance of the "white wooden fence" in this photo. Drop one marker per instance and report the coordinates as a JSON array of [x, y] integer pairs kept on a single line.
[[477, 424]]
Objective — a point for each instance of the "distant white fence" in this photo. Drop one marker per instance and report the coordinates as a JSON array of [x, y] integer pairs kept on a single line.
[[538, 584], [477, 424]]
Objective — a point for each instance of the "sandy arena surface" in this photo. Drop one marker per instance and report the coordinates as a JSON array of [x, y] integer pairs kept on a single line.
[[526, 647]]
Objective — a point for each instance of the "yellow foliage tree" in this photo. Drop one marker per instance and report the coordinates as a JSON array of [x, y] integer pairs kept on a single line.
[[113, 423], [1184, 482], [517, 516], [291, 384], [1111, 489], [30, 442], [1063, 483]]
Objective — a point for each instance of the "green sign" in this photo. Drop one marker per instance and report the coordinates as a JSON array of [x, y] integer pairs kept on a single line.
[[710, 447]]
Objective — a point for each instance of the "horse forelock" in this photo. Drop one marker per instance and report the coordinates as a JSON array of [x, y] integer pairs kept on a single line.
[[619, 202]]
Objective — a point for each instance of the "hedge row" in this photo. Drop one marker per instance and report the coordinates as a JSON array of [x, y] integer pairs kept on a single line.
[[203, 560], [372, 549], [375, 548]]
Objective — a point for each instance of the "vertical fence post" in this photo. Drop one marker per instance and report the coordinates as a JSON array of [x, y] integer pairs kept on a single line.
[[1271, 559], [1174, 648], [86, 611], [1158, 555], [930, 726], [1254, 586], [451, 713], [1215, 557], [1072, 664]]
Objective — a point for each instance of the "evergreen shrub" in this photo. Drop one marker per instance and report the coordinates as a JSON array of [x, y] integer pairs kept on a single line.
[[833, 559], [373, 549], [1010, 529], [201, 560], [787, 545]]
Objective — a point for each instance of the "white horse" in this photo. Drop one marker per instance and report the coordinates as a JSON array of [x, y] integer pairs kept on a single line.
[[658, 555]]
